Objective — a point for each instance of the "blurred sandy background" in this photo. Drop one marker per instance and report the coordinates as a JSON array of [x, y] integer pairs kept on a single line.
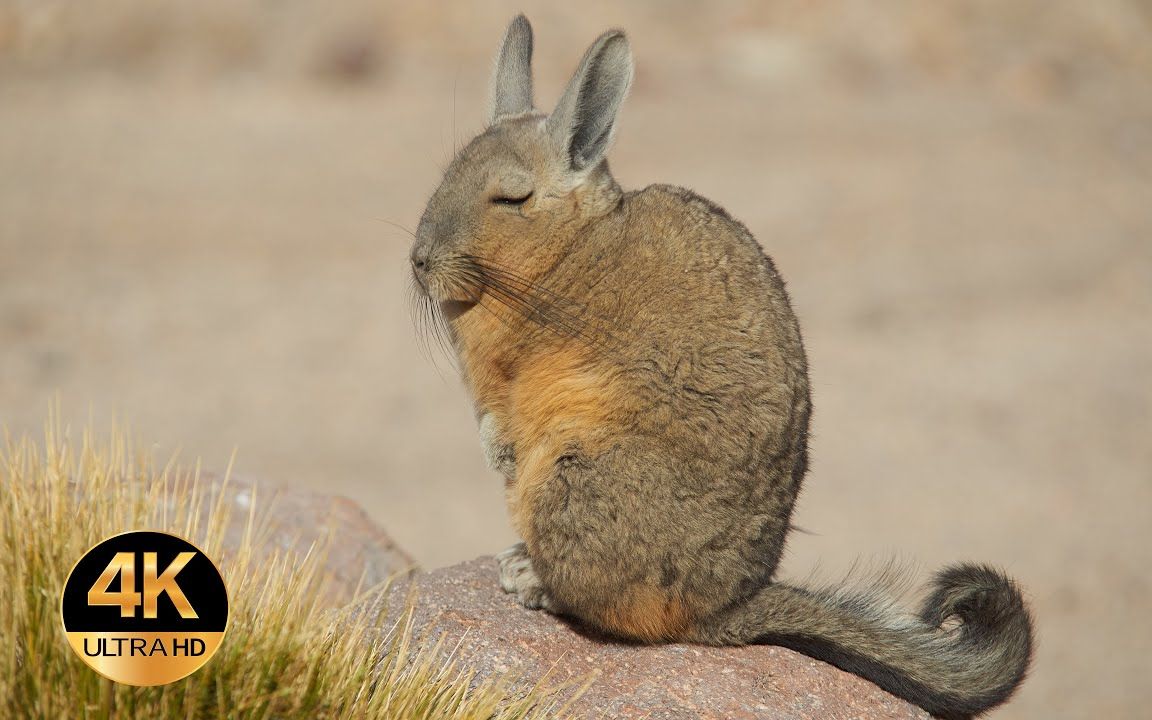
[[195, 209]]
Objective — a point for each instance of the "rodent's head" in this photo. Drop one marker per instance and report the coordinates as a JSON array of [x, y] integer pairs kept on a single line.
[[518, 190]]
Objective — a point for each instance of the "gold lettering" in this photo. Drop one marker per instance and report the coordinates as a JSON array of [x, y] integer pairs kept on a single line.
[[154, 585], [123, 563]]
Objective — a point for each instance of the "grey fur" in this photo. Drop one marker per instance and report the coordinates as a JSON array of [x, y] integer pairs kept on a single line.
[[500, 458], [641, 382], [584, 121], [512, 80], [518, 578]]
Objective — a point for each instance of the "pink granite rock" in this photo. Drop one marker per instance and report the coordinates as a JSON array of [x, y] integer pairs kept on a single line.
[[496, 636], [357, 552]]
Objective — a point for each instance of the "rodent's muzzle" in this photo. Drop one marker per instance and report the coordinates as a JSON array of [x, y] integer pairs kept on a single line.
[[419, 260]]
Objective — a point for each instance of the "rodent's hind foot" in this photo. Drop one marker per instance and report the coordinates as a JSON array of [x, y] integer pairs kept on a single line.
[[518, 577]]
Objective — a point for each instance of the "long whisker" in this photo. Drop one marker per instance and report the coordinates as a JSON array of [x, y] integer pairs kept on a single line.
[[419, 319], [439, 329], [509, 272], [504, 292], [540, 312], [535, 313], [538, 304], [499, 316], [398, 226], [431, 329], [575, 317], [531, 307]]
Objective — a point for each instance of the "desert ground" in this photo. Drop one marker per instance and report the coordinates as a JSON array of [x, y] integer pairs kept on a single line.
[[203, 215]]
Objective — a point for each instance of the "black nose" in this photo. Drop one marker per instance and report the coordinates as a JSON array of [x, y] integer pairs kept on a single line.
[[420, 259]]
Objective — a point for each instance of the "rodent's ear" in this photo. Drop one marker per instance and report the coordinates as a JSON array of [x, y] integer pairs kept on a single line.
[[582, 124], [512, 80]]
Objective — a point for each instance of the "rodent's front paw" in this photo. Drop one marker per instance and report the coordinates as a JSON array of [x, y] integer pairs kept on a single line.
[[517, 576]]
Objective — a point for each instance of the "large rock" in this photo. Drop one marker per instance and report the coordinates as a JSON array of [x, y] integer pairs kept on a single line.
[[357, 553], [496, 637]]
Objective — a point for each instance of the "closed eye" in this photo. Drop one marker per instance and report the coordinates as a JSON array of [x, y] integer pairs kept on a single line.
[[511, 201]]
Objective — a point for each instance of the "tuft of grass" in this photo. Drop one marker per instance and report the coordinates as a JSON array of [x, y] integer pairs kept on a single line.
[[285, 656]]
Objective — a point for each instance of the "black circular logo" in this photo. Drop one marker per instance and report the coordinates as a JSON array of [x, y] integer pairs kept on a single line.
[[145, 608]]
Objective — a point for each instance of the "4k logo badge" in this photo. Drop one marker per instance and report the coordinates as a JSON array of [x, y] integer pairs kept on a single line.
[[145, 608]]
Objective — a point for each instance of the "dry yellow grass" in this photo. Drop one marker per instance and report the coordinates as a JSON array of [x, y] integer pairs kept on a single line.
[[285, 656]]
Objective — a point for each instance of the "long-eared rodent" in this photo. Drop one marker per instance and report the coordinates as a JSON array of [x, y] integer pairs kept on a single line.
[[639, 379]]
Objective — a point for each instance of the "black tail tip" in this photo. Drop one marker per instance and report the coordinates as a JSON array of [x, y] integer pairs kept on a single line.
[[979, 596], [995, 624]]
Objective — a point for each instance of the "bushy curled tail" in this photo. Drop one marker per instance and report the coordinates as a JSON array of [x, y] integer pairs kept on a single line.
[[951, 670]]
